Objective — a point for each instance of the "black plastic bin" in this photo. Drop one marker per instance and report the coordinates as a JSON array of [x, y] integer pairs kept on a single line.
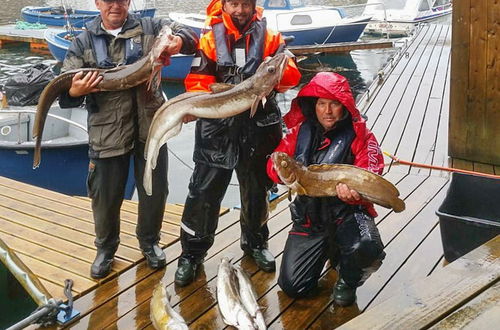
[[469, 215]]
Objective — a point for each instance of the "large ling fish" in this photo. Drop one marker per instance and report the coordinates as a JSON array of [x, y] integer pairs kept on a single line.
[[229, 300], [167, 121], [163, 316], [321, 180], [120, 78]]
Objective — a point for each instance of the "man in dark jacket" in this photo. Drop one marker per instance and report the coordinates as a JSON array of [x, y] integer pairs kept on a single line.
[[118, 124], [230, 53], [326, 128]]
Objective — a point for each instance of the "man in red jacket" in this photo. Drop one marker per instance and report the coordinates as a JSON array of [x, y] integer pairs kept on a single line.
[[230, 53], [326, 128]]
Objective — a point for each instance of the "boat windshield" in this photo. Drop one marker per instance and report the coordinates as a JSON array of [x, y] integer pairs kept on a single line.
[[394, 4], [284, 4]]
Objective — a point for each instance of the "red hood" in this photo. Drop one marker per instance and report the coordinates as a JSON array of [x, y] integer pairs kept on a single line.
[[326, 85], [216, 15]]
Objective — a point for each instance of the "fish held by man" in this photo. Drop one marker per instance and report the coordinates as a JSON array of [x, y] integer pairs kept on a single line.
[[321, 181], [167, 121], [148, 68], [162, 315], [228, 297]]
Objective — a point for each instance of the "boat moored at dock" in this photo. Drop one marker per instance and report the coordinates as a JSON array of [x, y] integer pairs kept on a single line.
[[399, 17]]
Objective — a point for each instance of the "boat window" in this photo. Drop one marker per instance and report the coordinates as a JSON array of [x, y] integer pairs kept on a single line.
[[394, 4], [424, 5], [296, 3], [301, 20], [276, 3]]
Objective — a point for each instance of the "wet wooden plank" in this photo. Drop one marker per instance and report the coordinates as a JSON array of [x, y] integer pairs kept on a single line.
[[430, 300], [26, 193], [382, 103], [483, 312], [391, 131]]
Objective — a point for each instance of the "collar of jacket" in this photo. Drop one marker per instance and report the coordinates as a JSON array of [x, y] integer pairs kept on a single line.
[[131, 28]]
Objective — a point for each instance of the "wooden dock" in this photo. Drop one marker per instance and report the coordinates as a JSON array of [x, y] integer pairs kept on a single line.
[[408, 112], [9, 34], [53, 234]]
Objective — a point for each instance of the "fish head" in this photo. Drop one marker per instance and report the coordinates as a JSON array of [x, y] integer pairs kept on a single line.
[[285, 166], [161, 42], [269, 73]]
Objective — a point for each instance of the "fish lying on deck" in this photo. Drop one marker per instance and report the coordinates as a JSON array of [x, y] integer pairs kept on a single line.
[[163, 316], [229, 298], [321, 180], [120, 78], [167, 121], [249, 298]]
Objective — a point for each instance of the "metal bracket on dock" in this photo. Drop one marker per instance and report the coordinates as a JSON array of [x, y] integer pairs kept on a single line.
[[66, 314]]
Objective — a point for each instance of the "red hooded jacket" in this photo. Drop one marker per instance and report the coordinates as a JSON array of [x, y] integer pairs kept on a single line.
[[365, 148]]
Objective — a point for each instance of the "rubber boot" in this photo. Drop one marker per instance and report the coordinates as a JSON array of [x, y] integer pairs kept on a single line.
[[343, 294], [101, 267], [186, 271]]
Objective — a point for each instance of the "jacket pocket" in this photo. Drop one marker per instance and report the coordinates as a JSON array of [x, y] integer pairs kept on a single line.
[[102, 130]]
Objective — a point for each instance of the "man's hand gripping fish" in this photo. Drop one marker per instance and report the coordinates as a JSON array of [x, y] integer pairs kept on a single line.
[[321, 180], [120, 78], [167, 121]]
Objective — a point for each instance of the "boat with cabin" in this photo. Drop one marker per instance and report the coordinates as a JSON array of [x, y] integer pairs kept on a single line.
[[308, 25], [399, 17]]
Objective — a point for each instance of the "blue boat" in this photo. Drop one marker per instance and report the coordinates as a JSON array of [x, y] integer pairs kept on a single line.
[[59, 16], [59, 41], [64, 165], [308, 25]]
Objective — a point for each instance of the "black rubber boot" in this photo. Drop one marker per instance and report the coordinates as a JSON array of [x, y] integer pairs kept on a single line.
[[186, 271], [264, 259], [343, 294], [101, 267], [155, 256]]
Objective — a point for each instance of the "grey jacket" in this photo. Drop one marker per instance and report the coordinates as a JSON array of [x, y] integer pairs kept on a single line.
[[116, 120]]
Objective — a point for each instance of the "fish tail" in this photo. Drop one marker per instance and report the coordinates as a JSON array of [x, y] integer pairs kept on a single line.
[[168, 134], [148, 173], [398, 205], [37, 153]]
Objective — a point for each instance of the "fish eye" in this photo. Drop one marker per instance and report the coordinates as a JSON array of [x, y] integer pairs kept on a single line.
[[271, 69], [284, 164]]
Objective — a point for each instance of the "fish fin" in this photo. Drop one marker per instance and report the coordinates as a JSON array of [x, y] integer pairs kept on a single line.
[[255, 106], [325, 167], [298, 188], [220, 87]]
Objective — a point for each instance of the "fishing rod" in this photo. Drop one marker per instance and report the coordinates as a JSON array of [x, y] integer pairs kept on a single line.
[[435, 167]]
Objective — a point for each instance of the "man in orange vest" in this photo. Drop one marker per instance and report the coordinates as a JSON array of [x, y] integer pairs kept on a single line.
[[230, 53]]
